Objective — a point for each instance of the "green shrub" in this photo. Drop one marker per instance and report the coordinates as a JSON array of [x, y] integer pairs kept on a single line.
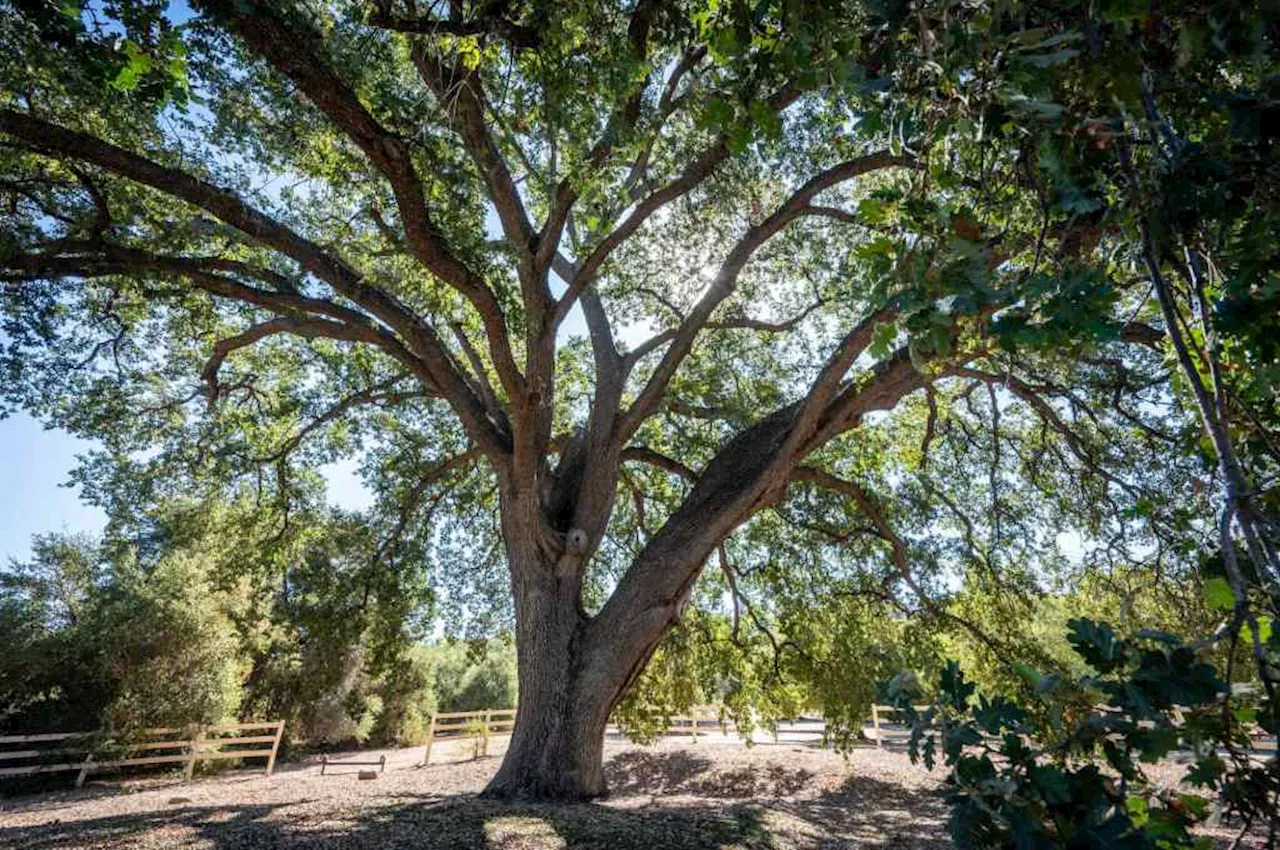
[[1070, 772], [408, 699], [475, 676], [168, 647]]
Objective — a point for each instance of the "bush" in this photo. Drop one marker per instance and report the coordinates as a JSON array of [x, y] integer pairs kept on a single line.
[[167, 647], [194, 632], [1069, 773], [112, 643], [475, 675], [408, 697]]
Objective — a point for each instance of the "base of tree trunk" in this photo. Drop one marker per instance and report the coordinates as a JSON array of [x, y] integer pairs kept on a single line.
[[545, 782], [539, 792], [565, 766]]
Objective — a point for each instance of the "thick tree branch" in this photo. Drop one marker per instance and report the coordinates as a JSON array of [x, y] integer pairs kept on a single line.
[[289, 46], [53, 140], [644, 454], [118, 260], [459, 92], [726, 278], [747, 474]]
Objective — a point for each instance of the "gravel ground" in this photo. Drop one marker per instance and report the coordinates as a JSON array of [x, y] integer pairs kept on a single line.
[[673, 796]]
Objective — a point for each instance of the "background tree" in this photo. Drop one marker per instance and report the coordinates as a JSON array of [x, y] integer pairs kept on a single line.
[[204, 613], [262, 236]]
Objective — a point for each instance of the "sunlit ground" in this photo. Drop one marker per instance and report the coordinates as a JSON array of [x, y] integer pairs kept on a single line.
[[713, 795]]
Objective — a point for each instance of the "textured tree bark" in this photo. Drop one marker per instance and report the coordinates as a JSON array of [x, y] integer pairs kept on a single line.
[[557, 750], [572, 673], [557, 746]]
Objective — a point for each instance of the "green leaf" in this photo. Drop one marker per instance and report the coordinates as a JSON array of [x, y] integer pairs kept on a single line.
[[1052, 783], [1029, 674], [134, 70], [882, 340], [1218, 594]]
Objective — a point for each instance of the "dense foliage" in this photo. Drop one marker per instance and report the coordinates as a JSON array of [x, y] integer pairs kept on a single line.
[[1066, 768], [174, 630], [819, 339]]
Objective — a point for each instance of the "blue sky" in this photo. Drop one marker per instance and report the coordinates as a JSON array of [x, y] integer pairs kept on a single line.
[[35, 463]]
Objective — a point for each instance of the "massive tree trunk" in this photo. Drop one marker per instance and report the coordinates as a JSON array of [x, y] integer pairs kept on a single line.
[[573, 668], [557, 747], [571, 675]]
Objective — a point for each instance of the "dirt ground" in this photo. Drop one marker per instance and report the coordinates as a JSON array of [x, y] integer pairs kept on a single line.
[[672, 796]]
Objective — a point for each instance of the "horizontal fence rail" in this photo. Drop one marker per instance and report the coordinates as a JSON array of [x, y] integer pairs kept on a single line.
[[98, 751], [466, 725], [891, 712], [689, 724]]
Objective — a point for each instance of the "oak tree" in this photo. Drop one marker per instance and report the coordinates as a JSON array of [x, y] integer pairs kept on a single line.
[[645, 264]]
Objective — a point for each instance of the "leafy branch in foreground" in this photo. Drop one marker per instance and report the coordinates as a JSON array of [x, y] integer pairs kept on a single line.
[[1068, 769]]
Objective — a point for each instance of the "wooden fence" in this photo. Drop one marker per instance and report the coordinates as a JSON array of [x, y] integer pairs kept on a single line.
[[469, 725], [98, 752], [890, 711], [698, 715], [465, 725], [881, 714]]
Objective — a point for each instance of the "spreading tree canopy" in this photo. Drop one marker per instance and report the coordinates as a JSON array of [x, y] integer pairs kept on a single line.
[[628, 287]]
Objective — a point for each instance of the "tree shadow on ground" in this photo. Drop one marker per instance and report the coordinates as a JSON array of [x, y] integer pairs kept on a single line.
[[466, 823], [660, 801], [868, 812], [671, 773]]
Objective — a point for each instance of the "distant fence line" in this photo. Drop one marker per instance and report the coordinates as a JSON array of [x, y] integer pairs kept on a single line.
[[467, 725], [200, 743], [203, 743], [471, 725]]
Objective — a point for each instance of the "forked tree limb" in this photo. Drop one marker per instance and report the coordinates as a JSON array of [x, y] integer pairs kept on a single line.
[[433, 359]]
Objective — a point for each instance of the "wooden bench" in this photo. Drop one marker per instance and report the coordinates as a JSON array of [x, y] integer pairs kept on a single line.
[[98, 751], [325, 763]]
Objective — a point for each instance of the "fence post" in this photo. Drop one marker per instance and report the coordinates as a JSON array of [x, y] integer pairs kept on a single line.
[[193, 748], [484, 738], [275, 747], [431, 736], [875, 721], [85, 766]]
